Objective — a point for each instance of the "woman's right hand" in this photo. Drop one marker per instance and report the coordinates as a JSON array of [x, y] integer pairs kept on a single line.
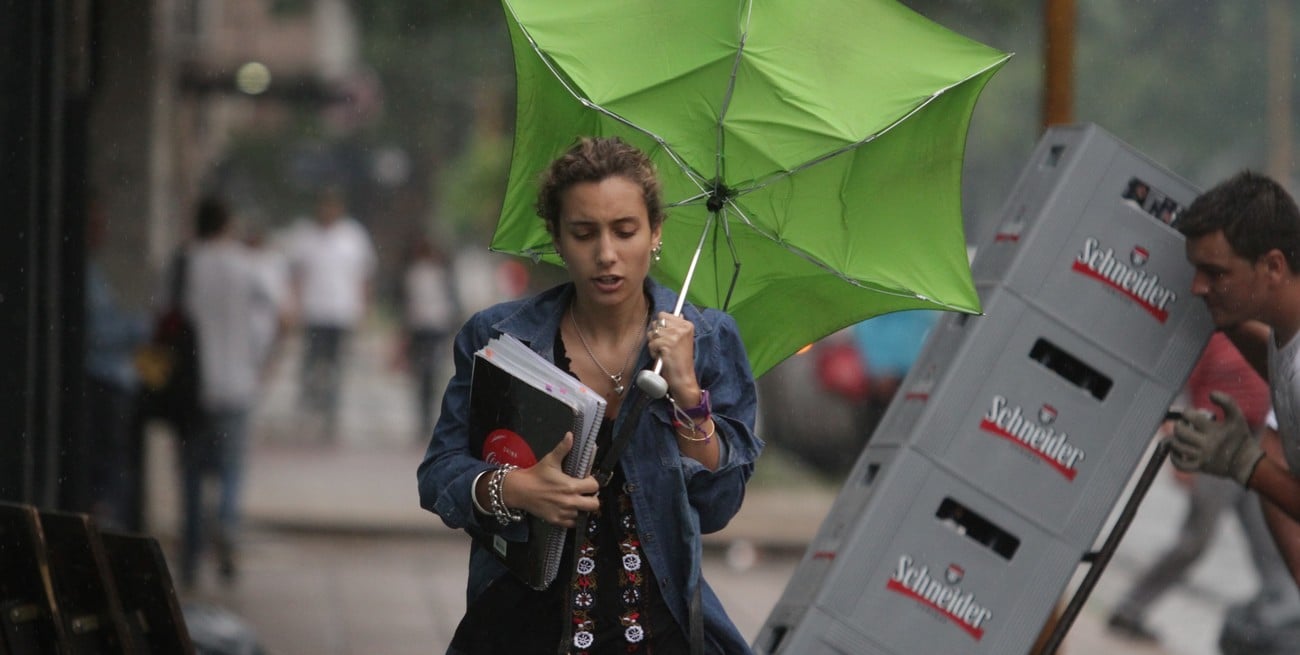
[[547, 492]]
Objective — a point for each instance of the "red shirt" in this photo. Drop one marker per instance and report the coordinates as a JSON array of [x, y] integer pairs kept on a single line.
[[1222, 368]]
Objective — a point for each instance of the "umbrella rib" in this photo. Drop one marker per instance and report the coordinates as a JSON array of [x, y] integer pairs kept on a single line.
[[719, 160], [699, 197], [853, 146], [586, 102]]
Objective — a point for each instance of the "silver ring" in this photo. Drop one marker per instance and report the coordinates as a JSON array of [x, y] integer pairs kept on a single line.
[[662, 323]]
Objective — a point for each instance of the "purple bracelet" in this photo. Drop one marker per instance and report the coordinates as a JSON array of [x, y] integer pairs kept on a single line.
[[702, 410]]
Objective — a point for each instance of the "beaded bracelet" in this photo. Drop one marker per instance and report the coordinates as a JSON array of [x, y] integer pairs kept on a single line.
[[701, 412], [695, 429], [503, 514]]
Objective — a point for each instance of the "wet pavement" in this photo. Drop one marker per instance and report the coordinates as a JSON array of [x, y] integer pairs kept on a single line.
[[339, 559]]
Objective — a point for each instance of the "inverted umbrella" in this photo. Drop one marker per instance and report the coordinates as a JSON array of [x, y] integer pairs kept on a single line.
[[810, 151]]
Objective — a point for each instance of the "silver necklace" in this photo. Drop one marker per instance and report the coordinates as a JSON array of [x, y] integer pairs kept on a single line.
[[616, 379]]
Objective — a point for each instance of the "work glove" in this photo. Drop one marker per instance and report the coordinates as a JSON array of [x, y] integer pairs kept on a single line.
[[1223, 448]]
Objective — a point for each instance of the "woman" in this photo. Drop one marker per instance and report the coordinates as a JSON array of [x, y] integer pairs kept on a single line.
[[683, 472]]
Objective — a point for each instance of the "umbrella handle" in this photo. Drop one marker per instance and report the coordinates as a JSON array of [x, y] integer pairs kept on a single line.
[[651, 383]]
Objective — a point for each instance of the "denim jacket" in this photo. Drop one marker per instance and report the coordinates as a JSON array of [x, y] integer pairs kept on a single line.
[[675, 498]]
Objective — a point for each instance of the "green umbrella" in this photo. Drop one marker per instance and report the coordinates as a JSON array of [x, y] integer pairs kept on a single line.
[[811, 149]]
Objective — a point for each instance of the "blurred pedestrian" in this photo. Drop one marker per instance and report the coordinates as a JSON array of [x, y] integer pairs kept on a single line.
[[332, 262], [1220, 368], [113, 335], [430, 312], [272, 321], [224, 292]]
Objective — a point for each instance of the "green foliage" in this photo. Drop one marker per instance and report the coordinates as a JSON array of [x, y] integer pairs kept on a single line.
[[439, 64], [385, 18], [442, 67], [1183, 82], [471, 187], [290, 7]]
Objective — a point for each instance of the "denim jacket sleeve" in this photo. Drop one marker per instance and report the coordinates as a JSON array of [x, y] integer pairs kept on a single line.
[[446, 475], [722, 367]]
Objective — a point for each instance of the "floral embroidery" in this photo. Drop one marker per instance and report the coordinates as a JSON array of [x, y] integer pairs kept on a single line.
[[631, 580], [631, 597], [634, 634], [583, 639], [584, 592]]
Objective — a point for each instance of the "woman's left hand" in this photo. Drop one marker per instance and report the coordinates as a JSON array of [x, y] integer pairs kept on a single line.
[[672, 338]]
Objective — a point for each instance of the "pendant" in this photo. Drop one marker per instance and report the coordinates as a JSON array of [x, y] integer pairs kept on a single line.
[[618, 384]]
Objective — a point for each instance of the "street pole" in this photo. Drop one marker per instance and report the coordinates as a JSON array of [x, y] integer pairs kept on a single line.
[[1278, 102], [1058, 59]]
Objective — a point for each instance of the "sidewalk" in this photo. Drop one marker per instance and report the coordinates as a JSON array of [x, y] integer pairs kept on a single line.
[[341, 559]]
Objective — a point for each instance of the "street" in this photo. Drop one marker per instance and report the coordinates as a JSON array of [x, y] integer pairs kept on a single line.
[[339, 559]]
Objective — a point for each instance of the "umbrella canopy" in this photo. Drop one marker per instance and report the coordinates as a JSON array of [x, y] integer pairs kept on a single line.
[[813, 148]]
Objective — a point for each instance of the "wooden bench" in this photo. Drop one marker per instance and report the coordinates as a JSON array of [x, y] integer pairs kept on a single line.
[[152, 611], [84, 589], [30, 621]]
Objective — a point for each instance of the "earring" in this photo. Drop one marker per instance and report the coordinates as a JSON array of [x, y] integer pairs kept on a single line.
[[657, 251]]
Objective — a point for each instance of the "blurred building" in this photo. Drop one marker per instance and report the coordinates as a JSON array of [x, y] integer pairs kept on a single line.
[[135, 100]]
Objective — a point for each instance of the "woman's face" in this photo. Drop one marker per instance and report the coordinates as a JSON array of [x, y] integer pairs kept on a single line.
[[604, 236]]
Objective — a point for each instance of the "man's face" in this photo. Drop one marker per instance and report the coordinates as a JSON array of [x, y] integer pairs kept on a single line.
[[1235, 289], [329, 210]]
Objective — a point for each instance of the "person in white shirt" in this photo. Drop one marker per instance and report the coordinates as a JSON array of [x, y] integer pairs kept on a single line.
[[430, 313], [1243, 238], [223, 292], [332, 262], [274, 319]]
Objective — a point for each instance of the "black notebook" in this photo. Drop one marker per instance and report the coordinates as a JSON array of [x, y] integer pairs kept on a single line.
[[520, 407]]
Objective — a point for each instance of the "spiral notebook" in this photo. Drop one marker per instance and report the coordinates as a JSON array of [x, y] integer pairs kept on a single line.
[[520, 407]]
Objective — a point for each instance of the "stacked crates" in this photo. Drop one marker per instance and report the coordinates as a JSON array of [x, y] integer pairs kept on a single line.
[[1013, 435]]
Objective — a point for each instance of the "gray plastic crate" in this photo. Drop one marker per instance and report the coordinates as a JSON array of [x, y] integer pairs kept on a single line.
[[1031, 417], [932, 565], [1053, 428], [1072, 243]]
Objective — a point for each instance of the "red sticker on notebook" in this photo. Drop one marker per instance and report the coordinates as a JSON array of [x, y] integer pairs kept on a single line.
[[505, 447]]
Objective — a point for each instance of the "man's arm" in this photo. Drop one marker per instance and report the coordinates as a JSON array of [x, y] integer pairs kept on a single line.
[[1251, 339], [1279, 496]]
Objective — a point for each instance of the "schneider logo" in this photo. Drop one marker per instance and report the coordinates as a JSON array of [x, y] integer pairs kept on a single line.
[[943, 596], [1139, 286], [1046, 443]]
